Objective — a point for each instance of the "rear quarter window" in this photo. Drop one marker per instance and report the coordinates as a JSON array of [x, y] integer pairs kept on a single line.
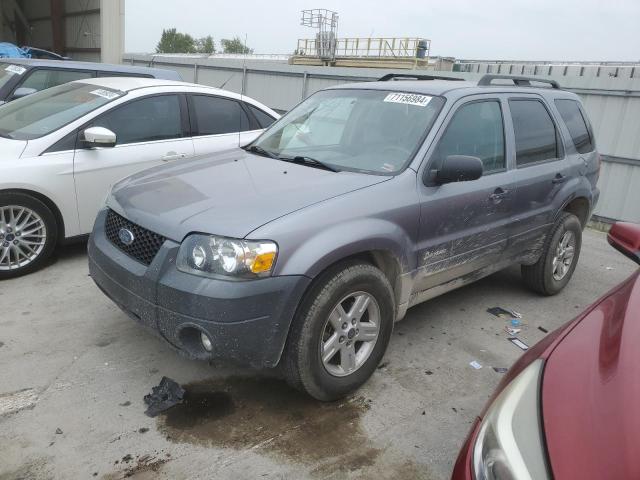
[[263, 118], [576, 124]]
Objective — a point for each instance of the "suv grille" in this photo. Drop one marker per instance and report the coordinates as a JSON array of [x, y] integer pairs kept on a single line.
[[145, 244]]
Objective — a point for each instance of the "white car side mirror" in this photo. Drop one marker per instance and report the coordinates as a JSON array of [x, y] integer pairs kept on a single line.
[[99, 137]]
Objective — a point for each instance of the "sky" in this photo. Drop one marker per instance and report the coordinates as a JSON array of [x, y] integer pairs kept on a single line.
[[570, 30]]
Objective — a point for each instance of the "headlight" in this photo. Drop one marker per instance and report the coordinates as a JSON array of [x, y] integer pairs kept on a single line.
[[509, 445], [211, 256]]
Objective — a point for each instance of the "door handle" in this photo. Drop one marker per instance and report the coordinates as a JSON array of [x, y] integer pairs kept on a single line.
[[173, 156], [559, 178], [498, 194]]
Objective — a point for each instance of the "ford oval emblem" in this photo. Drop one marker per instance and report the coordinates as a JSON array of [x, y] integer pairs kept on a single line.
[[126, 236]]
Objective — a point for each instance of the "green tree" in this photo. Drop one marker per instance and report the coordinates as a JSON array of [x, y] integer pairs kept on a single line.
[[206, 45], [235, 45], [172, 41]]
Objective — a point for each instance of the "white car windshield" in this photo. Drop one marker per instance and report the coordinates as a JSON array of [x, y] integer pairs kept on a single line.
[[371, 131], [48, 110]]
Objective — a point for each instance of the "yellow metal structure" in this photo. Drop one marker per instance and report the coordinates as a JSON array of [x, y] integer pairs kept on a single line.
[[392, 52]]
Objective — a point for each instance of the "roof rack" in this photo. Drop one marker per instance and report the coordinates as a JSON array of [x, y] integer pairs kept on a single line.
[[411, 76], [518, 81]]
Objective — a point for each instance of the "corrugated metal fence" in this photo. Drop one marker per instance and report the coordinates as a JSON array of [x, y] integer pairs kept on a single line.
[[611, 97]]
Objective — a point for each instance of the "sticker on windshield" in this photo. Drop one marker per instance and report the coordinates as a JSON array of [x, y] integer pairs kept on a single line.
[[408, 99], [104, 93], [16, 69]]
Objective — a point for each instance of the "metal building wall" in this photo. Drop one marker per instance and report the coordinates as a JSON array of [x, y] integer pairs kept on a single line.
[[82, 29], [81, 23], [611, 96]]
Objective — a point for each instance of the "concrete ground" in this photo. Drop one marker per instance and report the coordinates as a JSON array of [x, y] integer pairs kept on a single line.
[[86, 367]]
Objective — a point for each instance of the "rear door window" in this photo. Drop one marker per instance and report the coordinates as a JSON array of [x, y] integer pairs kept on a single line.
[[535, 132], [216, 115], [576, 124]]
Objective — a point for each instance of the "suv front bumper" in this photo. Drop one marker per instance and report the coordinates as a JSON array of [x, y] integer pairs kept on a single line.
[[247, 321]]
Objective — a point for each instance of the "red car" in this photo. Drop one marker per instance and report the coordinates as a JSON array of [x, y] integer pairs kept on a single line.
[[568, 408]]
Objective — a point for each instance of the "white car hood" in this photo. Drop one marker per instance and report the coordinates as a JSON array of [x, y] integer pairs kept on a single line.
[[11, 149]]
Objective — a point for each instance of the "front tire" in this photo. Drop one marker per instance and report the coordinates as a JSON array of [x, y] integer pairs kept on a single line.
[[28, 234], [340, 332], [553, 270]]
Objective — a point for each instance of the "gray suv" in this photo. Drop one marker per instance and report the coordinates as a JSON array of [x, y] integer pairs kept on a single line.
[[303, 248]]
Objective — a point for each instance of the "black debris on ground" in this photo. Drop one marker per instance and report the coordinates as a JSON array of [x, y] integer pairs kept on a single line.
[[542, 329], [167, 394], [503, 312], [125, 404], [500, 369], [58, 431], [143, 430], [429, 372]]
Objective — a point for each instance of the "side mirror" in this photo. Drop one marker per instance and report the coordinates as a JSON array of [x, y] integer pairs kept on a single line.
[[99, 137], [459, 168], [625, 237], [22, 92]]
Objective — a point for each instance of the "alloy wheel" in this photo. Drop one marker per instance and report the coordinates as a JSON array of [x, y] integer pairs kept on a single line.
[[350, 334], [563, 258], [23, 235]]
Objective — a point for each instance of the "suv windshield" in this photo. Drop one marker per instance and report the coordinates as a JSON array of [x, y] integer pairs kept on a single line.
[[372, 131], [44, 112]]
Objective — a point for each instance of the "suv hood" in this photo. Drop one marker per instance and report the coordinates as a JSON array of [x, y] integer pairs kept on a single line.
[[11, 149], [230, 194]]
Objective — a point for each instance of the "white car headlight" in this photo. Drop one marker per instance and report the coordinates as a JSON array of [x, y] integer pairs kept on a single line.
[[509, 445], [211, 256]]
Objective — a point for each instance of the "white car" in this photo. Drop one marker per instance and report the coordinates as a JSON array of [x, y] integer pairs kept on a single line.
[[62, 148]]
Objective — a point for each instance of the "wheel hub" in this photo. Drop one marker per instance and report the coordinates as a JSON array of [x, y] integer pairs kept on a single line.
[[564, 254], [350, 334], [23, 235]]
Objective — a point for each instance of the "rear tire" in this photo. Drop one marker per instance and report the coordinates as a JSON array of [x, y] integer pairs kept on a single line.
[[331, 349], [28, 234], [553, 270]]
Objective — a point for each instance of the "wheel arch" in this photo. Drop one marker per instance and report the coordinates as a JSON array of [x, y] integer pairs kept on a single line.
[[385, 260], [580, 207], [48, 202]]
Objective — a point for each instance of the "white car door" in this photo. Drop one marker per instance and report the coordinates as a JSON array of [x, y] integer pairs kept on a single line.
[[149, 131], [216, 123]]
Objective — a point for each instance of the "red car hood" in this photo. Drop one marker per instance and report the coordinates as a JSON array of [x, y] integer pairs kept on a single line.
[[591, 392]]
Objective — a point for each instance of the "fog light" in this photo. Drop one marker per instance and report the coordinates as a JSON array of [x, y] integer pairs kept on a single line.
[[206, 342]]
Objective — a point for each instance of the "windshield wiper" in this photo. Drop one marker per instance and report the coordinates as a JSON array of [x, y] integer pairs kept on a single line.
[[312, 162], [262, 151]]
